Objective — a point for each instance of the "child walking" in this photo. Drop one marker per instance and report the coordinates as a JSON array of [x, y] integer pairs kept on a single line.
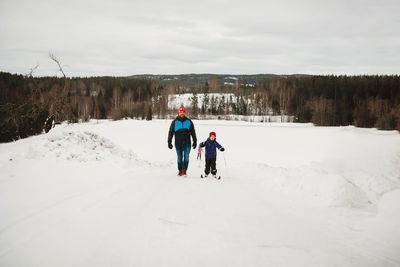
[[211, 146]]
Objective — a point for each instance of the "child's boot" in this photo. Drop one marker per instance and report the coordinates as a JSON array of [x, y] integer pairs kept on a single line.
[[204, 175]]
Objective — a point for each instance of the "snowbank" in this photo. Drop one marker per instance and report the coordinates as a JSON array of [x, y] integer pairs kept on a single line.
[[70, 145]]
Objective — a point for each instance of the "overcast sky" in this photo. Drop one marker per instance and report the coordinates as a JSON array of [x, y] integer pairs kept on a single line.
[[121, 37]]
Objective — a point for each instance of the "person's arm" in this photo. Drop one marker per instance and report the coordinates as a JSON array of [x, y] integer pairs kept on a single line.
[[171, 133], [202, 144], [219, 146], [193, 133]]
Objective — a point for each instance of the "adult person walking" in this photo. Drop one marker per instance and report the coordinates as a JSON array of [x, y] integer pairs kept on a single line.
[[182, 127]]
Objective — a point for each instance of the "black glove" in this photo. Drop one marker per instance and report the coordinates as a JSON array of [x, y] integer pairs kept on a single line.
[[222, 149], [194, 145], [170, 146]]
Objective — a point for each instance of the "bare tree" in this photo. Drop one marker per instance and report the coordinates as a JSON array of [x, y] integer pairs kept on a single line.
[[57, 61], [59, 108], [32, 70], [35, 88]]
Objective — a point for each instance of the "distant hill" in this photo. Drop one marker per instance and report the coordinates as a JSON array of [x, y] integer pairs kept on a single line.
[[190, 79]]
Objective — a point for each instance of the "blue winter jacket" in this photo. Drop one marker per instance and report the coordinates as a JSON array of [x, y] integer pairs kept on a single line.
[[182, 128], [211, 148]]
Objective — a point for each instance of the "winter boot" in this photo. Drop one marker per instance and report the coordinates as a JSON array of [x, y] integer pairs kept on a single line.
[[180, 173], [184, 172]]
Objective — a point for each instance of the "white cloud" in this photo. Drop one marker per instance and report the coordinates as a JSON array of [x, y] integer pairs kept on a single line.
[[130, 37]]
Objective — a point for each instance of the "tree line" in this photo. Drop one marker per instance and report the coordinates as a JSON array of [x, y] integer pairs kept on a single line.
[[363, 101], [29, 105]]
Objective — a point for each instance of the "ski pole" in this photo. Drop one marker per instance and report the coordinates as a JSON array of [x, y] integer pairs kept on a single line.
[[224, 159], [226, 167], [199, 156]]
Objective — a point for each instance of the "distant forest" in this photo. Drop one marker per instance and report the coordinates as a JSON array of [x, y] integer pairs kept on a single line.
[[29, 105]]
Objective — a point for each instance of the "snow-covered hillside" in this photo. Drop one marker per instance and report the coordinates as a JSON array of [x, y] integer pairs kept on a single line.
[[176, 101], [186, 100], [105, 193]]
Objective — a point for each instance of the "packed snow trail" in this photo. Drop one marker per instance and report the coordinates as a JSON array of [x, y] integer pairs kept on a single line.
[[107, 195]]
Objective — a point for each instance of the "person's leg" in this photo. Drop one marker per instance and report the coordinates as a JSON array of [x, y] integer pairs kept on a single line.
[[186, 151], [213, 166], [179, 153], [208, 167]]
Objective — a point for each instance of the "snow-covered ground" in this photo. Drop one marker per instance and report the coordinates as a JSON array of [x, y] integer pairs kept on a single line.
[[106, 194]]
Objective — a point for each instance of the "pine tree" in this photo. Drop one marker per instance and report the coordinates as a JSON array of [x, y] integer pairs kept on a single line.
[[194, 105], [149, 116]]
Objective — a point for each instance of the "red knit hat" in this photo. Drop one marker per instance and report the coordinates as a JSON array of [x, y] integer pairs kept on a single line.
[[181, 109], [213, 133]]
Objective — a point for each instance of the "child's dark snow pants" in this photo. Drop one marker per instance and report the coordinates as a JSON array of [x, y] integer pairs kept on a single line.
[[210, 166]]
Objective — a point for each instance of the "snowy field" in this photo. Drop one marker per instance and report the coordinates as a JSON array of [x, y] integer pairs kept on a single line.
[[106, 194]]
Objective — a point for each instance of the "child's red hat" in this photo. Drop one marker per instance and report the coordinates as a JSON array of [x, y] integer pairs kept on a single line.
[[213, 133]]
